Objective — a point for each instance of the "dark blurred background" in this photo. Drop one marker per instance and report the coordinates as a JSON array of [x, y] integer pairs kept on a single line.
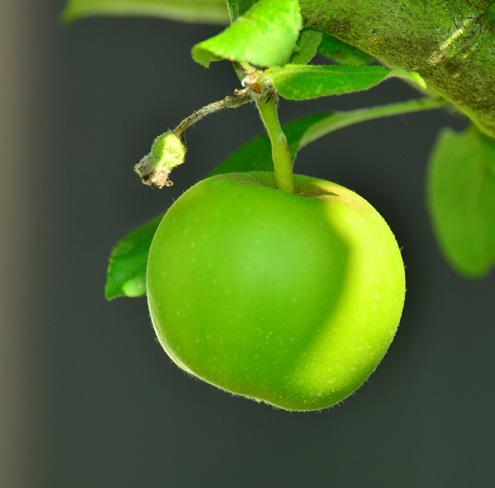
[[88, 398]]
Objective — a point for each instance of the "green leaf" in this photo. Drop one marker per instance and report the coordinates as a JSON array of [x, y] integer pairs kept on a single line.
[[127, 270], [304, 82], [341, 52], [206, 11], [239, 7], [461, 199], [126, 275], [307, 46], [264, 36]]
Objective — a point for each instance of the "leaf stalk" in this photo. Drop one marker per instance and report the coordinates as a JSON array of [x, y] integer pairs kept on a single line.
[[340, 120]]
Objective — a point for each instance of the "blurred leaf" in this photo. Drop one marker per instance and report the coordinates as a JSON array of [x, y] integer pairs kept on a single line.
[[126, 275], [206, 11], [264, 36], [127, 270], [461, 198], [341, 52], [304, 82], [307, 47]]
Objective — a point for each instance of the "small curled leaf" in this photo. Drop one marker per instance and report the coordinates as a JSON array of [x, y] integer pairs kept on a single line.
[[307, 47], [167, 152]]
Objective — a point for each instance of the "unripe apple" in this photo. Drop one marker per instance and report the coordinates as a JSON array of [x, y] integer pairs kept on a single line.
[[289, 299]]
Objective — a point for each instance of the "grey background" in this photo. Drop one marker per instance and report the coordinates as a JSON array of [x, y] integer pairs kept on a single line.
[[93, 401]]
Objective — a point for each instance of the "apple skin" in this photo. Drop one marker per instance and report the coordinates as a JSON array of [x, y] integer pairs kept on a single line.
[[288, 299]]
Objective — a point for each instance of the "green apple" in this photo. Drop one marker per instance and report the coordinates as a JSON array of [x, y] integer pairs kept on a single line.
[[289, 299]]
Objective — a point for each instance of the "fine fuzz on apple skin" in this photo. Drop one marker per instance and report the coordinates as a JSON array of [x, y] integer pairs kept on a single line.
[[289, 299]]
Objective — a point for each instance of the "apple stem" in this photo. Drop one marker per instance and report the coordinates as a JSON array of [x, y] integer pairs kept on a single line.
[[282, 159]]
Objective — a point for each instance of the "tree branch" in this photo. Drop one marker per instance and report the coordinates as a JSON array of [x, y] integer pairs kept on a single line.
[[451, 43]]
